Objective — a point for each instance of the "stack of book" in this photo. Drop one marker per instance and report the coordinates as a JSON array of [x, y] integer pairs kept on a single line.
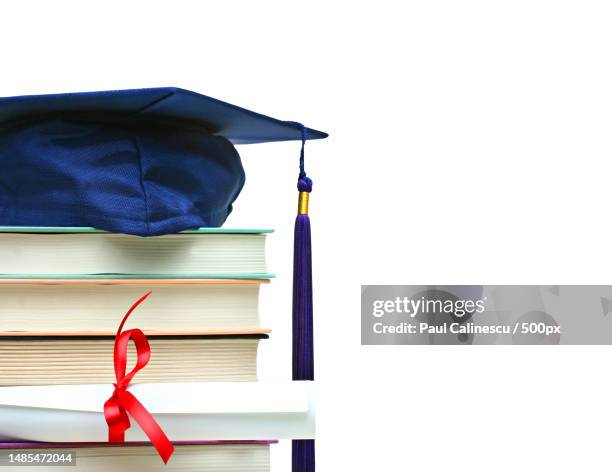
[[63, 292]]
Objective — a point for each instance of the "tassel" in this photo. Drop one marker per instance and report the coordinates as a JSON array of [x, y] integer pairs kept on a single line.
[[303, 451], [303, 455], [303, 358]]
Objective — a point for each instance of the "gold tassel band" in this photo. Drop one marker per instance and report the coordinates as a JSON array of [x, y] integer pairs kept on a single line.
[[303, 203]]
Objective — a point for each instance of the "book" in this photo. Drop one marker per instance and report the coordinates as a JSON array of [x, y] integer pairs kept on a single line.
[[95, 306], [185, 411], [74, 359], [194, 456], [30, 252]]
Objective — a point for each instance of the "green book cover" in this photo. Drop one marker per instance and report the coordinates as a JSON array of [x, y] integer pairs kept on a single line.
[[85, 230], [81, 229]]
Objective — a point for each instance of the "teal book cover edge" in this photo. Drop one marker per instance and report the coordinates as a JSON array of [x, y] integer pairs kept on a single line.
[[78, 229]]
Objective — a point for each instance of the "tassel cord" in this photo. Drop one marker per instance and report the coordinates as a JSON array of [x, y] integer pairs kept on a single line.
[[303, 451]]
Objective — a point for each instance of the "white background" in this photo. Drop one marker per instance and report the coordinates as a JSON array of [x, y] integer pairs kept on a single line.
[[470, 144]]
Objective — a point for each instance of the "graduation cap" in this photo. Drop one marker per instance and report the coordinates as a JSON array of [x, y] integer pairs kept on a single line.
[[146, 162]]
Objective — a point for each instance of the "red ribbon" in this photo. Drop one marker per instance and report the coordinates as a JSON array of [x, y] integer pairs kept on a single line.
[[122, 402]]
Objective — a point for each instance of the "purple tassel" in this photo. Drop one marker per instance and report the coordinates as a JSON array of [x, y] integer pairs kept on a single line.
[[303, 358], [303, 456], [303, 451]]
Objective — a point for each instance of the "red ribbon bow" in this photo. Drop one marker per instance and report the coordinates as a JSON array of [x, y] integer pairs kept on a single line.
[[122, 402]]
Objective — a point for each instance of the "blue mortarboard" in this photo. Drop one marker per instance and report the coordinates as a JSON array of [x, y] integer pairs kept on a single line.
[[144, 162]]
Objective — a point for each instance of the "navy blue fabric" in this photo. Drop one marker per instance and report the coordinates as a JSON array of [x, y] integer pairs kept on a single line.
[[129, 177], [237, 124], [144, 162]]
